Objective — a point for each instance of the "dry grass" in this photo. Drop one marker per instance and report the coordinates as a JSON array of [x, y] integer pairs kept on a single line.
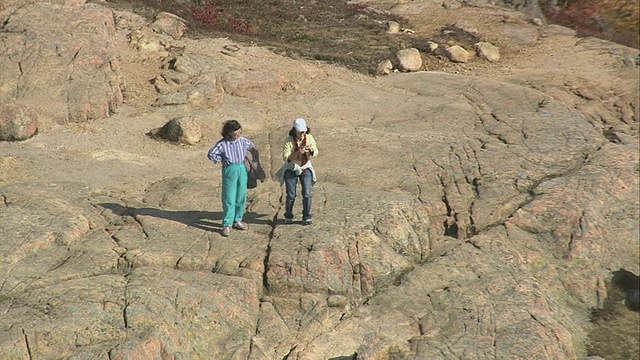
[[616, 331], [335, 31], [352, 35], [327, 30]]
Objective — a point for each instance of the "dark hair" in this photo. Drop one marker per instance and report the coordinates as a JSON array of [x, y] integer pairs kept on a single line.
[[293, 132], [228, 128]]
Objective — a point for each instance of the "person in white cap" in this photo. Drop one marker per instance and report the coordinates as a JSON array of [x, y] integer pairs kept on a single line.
[[299, 148]]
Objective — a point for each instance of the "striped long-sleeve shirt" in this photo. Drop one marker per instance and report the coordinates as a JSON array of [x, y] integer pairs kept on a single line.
[[230, 152]]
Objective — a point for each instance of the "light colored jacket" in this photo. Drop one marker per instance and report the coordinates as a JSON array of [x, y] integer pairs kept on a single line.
[[297, 169]]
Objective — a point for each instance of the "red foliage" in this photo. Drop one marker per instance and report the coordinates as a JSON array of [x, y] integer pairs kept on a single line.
[[207, 14], [210, 16], [615, 20]]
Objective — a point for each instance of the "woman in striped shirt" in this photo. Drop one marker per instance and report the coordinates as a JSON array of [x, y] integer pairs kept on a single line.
[[231, 151]]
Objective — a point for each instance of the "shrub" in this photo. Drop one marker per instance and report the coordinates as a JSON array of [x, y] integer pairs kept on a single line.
[[614, 20], [209, 16]]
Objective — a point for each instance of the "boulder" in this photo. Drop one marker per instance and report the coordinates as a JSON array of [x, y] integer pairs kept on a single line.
[[17, 122], [169, 24], [185, 130], [487, 51], [457, 53], [409, 60]]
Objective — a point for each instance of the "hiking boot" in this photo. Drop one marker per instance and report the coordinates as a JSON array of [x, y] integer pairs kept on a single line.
[[240, 225], [226, 231]]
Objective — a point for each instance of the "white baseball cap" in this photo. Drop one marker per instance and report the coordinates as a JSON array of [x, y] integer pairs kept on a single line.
[[300, 125]]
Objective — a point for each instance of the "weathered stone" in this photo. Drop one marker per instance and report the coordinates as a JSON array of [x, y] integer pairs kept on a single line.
[[79, 67], [249, 83], [457, 53], [488, 51], [194, 64], [174, 77], [409, 60], [169, 24], [393, 27], [175, 98], [432, 46], [162, 87], [207, 91], [17, 123], [273, 338], [128, 20], [384, 67], [185, 130], [146, 42]]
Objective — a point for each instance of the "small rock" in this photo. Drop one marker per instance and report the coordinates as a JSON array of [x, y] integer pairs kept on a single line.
[[393, 27], [409, 59], [488, 51], [432, 46], [384, 67], [457, 54]]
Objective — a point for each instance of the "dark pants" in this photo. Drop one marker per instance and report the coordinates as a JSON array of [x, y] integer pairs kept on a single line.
[[291, 183]]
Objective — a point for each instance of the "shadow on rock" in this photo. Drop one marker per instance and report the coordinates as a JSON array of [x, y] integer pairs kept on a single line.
[[615, 334], [629, 283], [204, 220]]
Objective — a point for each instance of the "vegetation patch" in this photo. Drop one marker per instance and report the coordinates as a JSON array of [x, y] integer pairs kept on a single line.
[[616, 331], [614, 20], [353, 35], [337, 31]]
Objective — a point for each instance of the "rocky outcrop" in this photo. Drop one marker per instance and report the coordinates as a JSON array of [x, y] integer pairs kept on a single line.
[[66, 71], [454, 216]]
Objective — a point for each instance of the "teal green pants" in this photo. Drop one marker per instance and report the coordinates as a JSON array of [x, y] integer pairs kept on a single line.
[[234, 193]]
